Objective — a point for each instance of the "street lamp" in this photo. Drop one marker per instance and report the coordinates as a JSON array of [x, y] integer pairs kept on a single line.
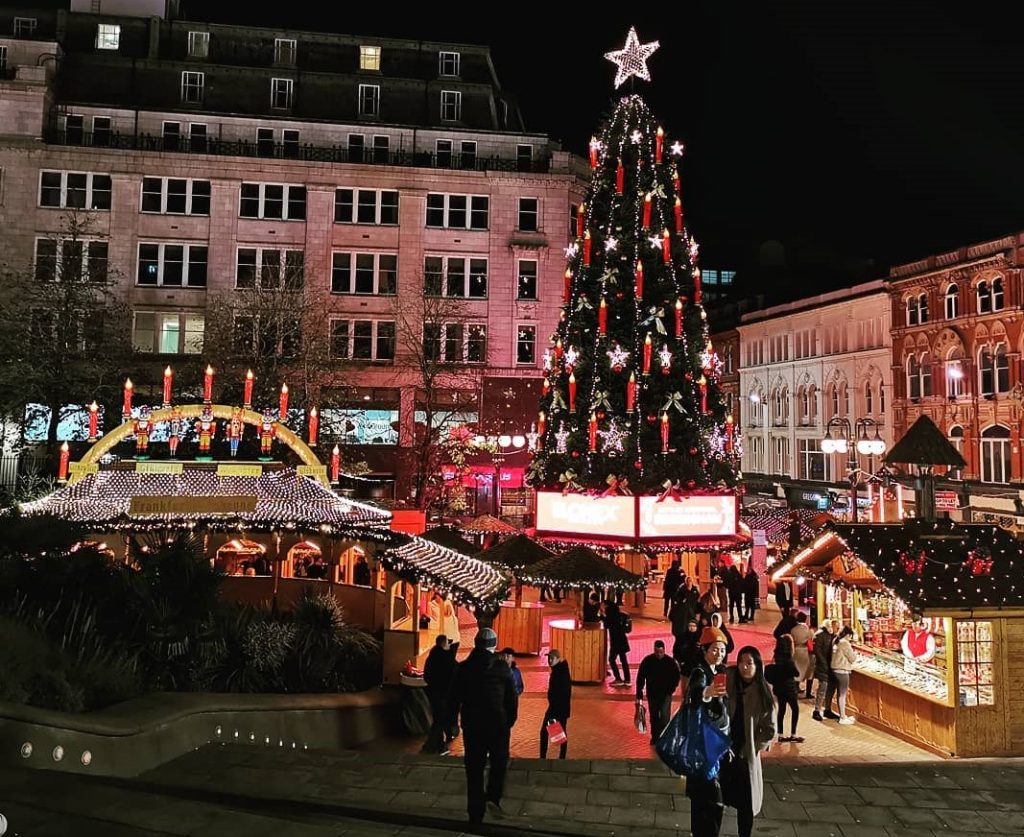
[[843, 437], [500, 446]]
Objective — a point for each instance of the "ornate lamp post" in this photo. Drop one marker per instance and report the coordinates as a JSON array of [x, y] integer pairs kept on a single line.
[[843, 437], [500, 446]]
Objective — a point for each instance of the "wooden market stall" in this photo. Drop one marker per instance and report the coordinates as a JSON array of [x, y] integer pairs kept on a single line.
[[955, 688]]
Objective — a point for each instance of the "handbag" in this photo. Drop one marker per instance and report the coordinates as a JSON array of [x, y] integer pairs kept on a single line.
[[556, 734], [640, 718], [692, 744]]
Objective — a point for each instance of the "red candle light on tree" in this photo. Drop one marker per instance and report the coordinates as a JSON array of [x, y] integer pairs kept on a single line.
[[587, 243], [247, 395], [595, 147], [94, 421], [647, 355], [728, 434], [283, 403], [208, 384], [542, 424], [558, 348], [168, 385], [703, 384], [126, 409], [679, 216], [620, 178], [638, 281], [545, 388], [664, 432], [602, 318], [659, 142], [335, 463], [666, 247], [698, 292], [65, 461], [579, 219], [647, 210], [677, 183], [572, 391], [314, 426], [566, 285], [679, 318], [592, 432], [631, 393]]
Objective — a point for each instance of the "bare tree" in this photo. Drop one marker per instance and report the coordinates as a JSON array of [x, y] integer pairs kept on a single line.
[[439, 347], [65, 336]]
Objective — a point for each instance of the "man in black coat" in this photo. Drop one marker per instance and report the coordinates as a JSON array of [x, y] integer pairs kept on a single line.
[[559, 700], [438, 673], [734, 585], [673, 578], [485, 696], [784, 595], [660, 674]]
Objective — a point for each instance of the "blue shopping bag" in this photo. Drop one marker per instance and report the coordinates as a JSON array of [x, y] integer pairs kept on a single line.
[[692, 744]]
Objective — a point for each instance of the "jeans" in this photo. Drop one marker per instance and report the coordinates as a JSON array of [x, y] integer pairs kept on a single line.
[[481, 744], [790, 702], [613, 657], [563, 747], [842, 686], [826, 692], [660, 709]]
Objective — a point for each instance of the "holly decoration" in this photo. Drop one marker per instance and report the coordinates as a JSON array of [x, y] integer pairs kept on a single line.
[[979, 561], [913, 565]]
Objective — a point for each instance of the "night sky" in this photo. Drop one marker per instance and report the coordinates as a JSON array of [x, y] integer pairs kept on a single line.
[[847, 137]]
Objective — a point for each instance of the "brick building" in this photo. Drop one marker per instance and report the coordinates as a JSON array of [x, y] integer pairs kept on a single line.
[[214, 158]]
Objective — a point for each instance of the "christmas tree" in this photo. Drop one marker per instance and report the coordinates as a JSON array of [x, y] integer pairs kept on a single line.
[[630, 393]]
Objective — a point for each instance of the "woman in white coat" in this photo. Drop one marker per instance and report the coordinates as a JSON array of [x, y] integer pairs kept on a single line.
[[843, 658], [801, 634]]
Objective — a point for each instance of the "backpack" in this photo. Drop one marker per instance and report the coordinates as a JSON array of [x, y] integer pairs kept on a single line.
[[627, 623]]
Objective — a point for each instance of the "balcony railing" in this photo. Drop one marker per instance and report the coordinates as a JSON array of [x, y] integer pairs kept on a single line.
[[292, 151]]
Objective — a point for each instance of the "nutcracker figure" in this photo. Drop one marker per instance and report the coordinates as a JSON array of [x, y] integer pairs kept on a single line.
[[235, 428], [206, 427], [143, 427], [177, 428], [267, 433]]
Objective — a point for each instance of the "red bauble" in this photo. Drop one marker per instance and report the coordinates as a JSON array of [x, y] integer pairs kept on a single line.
[[575, 454], [693, 451], [691, 484], [638, 465], [688, 376], [619, 294], [651, 418], [704, 463], [599, 415]]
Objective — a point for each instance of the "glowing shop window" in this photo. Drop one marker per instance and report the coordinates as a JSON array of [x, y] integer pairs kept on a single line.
[[974, 663]]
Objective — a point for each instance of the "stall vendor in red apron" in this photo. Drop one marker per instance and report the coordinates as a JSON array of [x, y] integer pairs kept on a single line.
[[918, 643]]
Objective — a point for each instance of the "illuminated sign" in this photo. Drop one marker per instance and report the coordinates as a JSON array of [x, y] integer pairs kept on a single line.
[[946, 501], [636, 518], [160, 504]]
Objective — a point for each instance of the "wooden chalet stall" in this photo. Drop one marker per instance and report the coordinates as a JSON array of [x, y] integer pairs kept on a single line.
[[958, 690]]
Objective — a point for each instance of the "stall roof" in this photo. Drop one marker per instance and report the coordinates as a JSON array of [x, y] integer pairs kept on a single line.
[[580, 568], [450, 539], [516, 553], [775, 523], [924, 444]]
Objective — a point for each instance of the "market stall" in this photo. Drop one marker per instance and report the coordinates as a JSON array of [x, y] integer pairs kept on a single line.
[[938, 619]]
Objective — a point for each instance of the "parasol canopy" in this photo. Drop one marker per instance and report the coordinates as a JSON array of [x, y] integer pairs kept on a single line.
[[516, 553], [487, 524]]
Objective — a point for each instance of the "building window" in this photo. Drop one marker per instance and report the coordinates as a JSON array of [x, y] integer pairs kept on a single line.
[[919, 376], [443, 153], [381, 149], [869, 399], [995, 455], [282, 93], [814, 465], [451, 105], [275, 201], [573, 212], [955, 375], [25, 27], [952, 302], [448, 64], [290, 143], [369, 100], [172, 136], [529, 214], [3, 57], [273, 336], [172, 265], [362, 339], [108, 36], [881, 398], [455, 342], [168, 333], [192, 87], [285, 51], [68, 259], [455, 276], [956, 439], [74, 190], [197, 138], [369, 58], [198, 44], [365, 206], [997, 295], [922, 308], [356, 144], [912, 314], [271, 266], [467, 154], [364, 273], [780, 455], [527, 287], [101, 132], [524, 158], [984, 298], [175, 196], [460, 212], [526, 344], [780, 406], [993, 370]]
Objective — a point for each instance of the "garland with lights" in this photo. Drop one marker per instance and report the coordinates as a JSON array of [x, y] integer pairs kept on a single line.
[[467, 581], [631, 380]]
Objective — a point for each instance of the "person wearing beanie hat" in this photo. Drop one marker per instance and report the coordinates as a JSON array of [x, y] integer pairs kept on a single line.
[[484, 695]]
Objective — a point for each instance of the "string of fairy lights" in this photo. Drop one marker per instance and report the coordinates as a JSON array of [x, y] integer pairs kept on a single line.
[[467, 581]]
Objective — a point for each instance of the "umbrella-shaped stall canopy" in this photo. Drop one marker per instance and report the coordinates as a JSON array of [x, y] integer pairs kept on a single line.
[[925, 445], [450, 539], [580, 568], [516, 553], [488, 524]]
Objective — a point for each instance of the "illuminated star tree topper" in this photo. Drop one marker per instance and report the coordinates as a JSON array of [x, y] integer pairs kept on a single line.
[[632, 58]]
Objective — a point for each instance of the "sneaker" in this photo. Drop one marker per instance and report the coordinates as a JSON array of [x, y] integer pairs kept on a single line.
[[785, 739], [816, 715], [797, 739], [616, 682], [849, 719], [832, 716], [494, 809], [445, 751]]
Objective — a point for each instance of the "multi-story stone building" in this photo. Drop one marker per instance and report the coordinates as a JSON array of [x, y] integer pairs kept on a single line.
[[212, 158], [803, 364], [956, 356]]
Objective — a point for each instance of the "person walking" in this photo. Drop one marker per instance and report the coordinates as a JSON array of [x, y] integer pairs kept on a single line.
[[484, 695], [718, 622], [438, 674], [843, 658], [734, 585], [784, 675], [823, 669], [685, 650], [559, 701], [801, 634], [659, 673], [673, 578], [751, 591], [751, 732], [618, 643], [509, 656]]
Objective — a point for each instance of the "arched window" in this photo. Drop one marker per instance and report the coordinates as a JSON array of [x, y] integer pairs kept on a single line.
[[805, 405], [913, 377], [912, 311], [993, 370], [955, 374], [952, 302], [956, 439], [868, 399], [995, 454], [926, 375], [881, 398], [997, 295], [922, 308], [834, 393], [846, 399], [984, 298]]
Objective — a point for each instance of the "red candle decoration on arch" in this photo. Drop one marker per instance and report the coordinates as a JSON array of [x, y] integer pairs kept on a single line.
[[602, 318], [587, 244], [126, 407], [703, 384], [247, 396], [729, 430], [678, 210], [666, 247], [580, 210], [647, 354], [168, 385], [659, 145], [698, 291], [647, 210], [94, 421], [620, 178], [282, 403], [677, 183], [572, 392], [65, 462], [595, 147], [542, 424], [335, 463], [592, 432], [558, 348], [631, 393], [545, 388], [638, 281], [314, 426], [208, 385]]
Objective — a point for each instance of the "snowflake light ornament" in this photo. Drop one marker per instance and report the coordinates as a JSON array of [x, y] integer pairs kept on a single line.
[[571, 356], [655, 241], [636, 137], [571, 251], [617, 357], [613, 437], [561, 438], [677, 148], [611, 244]]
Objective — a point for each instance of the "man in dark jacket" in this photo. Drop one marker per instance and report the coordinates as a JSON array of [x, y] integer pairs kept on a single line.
[[660, 674], [786, 623], [618, 644], [361, 573], [734, 585], [673, 578], [751, 590], [559, 700], [823, 642], [485, 696], [439, 672]]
